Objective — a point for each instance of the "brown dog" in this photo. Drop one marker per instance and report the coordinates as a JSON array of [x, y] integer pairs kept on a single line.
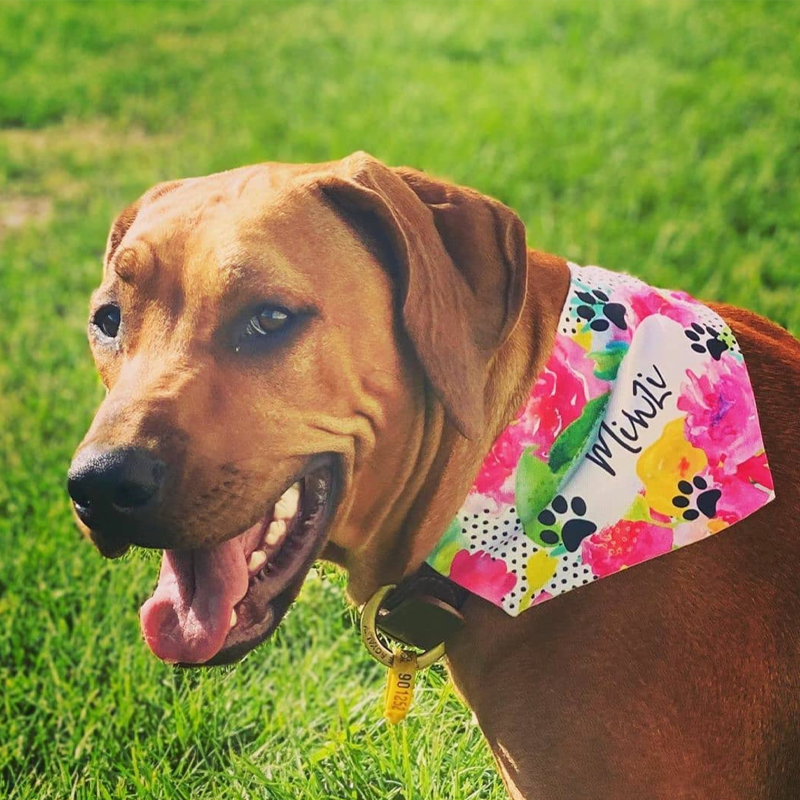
[[318, 358]]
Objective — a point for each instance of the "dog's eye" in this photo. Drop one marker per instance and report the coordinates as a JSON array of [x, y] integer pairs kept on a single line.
[[268, 320], [269, 326], [107, 319]]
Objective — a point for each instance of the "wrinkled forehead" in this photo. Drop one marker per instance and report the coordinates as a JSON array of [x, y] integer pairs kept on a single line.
[[250, 229]]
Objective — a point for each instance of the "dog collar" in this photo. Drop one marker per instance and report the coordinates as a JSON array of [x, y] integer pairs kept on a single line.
[[640, 436], [424, 610]]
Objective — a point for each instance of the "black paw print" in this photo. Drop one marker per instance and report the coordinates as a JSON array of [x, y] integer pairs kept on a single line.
[[597, 302], [706, 501], [573, 531], [714, 346]]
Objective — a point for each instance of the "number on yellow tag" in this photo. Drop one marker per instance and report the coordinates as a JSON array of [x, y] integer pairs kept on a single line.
[[400, 685]]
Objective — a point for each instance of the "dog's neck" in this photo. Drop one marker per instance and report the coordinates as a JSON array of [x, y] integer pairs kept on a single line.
[[440, 465]]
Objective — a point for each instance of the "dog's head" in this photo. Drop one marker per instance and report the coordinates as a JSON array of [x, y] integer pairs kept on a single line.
[[271, 339]]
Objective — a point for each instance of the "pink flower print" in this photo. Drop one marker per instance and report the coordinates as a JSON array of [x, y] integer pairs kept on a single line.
[[624, 544], [721, 418], [646, 301], [541, 598], [744, 490], [756, 471], [499, 463], [566, 384], [563, 388], [480, 573]]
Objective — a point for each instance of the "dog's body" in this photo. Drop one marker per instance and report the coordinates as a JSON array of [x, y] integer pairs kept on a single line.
[[678, 678]]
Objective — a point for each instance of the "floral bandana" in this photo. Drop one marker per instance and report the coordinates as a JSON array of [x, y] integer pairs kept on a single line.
[[640, 436]]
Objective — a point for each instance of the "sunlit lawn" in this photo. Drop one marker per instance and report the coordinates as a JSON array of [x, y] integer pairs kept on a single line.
[[660, 138]]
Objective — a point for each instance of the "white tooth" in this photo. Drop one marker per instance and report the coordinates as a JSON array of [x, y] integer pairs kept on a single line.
[[286, 507], [257, 560], [233, 617], [276, 531]]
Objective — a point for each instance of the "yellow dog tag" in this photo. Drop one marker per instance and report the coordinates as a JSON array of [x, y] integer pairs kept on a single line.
[[400, 685]]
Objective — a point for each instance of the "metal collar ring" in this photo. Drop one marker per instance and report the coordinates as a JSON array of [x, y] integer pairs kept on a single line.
[[369, 633]]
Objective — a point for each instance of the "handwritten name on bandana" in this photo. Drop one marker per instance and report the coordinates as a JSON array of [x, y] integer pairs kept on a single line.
[[639, 436]]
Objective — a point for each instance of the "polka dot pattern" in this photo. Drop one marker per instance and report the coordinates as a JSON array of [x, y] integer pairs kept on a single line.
[[501, 536]]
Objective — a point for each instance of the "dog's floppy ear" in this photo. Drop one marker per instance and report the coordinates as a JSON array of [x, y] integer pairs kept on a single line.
[[126, 217], [460, 260]]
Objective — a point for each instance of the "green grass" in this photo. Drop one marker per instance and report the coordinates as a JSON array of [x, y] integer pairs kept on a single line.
[[661, 138]]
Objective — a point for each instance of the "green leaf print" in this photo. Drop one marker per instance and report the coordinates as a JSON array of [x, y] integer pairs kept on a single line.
[[572, 441], [446, 548], [535, 487], [608, 360]]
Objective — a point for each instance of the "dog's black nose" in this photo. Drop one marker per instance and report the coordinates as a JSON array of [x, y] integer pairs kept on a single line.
[[109, 485]]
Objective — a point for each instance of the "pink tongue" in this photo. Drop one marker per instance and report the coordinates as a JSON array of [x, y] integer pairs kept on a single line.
[[188, 617]]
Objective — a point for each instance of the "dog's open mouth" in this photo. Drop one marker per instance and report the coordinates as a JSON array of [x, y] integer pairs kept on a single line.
[[213, 606]]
